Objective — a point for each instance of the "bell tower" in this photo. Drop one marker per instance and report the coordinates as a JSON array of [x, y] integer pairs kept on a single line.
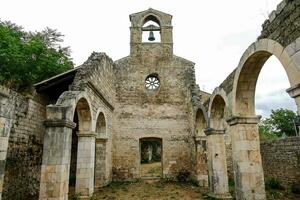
[[151, 30]]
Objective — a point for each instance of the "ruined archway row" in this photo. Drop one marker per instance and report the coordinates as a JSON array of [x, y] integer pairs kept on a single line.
[[92, 167], [233, 112]]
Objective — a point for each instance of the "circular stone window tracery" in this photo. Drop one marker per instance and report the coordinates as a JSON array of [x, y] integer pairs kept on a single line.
[[152, 82]]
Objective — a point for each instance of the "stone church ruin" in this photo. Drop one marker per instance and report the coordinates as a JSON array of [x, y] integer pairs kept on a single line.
[[100, 121]]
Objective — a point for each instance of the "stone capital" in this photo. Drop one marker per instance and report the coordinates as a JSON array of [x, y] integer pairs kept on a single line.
[[211, 131], [200, 138], [294, 91], [243, 120], [101, 139], [59, 123], [86, 134]]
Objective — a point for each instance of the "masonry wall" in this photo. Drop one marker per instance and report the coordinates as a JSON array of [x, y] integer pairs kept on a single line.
[[281, 160], [161, 114], [283, 23], [24, 157], [97, 78]]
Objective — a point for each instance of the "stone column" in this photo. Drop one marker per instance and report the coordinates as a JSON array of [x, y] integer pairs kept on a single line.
[[5, 125], [101, 178], [294, 92], [217, 167], [201, 161], [55, 170], [85, 164], [247, 164]]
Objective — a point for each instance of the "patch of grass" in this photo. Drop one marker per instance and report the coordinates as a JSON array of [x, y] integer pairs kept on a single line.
[[73, 197]]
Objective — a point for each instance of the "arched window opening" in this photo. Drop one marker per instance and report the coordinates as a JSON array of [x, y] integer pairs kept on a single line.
[[151, 30]]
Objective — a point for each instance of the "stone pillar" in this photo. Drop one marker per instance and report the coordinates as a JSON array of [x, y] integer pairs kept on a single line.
[[294, 92], [5, 125], [201, 161], [85, 164], [101, 178], [55, 170], [217, 167], [247, 164]]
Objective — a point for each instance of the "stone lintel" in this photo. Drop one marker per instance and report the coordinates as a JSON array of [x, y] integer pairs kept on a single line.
[[294, 91], [243, 120], [211, 131], [86, 134], [59, 123]]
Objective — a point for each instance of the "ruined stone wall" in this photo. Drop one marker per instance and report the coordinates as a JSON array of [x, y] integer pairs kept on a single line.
[[281, 160], [140, 113], [97, 78], [283, 23], [24, 157]]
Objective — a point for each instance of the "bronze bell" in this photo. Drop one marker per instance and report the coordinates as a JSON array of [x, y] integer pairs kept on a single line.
[[151, 36]]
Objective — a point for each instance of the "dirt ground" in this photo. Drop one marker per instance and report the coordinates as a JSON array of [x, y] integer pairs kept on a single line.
[[150, 191], [151, 169]]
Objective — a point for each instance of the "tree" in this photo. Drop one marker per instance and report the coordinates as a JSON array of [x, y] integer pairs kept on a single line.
[[29, 57], [281, 121]]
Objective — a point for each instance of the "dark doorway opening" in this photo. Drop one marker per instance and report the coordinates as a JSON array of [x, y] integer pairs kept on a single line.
[[73, 163], [151, 157]]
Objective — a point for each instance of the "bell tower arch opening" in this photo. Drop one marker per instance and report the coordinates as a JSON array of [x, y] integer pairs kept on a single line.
[[151, 30]]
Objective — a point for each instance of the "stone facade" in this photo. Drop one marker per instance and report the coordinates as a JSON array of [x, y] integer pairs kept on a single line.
[[88, 122], [281, 160]]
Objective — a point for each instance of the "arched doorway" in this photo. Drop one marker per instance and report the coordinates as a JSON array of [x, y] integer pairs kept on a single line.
[[151, 157], [217, 165], [249, 178], [101, 168], [201, 148], [82, 151]]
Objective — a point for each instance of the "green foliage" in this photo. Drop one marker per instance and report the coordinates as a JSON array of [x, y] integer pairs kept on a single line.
[[273, 183], [281, 121], [29, 57]]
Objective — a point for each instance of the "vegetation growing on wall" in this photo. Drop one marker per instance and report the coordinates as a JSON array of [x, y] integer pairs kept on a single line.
[[29, 57]]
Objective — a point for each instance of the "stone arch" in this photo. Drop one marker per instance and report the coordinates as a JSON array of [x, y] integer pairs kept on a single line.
[[217, 111], [101, 151], [101, 125], [246, 75], [201, 121], [151, 17], [151, 28], [244, 130], [71, 99]]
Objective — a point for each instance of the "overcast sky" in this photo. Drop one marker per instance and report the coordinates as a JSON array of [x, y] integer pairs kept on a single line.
[[213, 34]]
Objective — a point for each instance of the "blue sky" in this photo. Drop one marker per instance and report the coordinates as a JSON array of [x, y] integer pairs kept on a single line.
[[213, 34]]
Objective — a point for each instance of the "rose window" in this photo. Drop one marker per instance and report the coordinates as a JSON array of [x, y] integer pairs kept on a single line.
[[152, 83]]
